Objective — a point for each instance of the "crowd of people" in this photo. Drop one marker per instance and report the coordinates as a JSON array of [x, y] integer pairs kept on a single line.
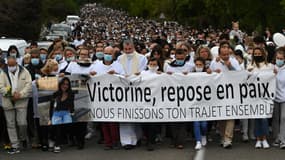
[[108, 41]]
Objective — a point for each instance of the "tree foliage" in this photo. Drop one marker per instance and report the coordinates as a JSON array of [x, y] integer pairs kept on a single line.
[[252, 15], [24, 18]]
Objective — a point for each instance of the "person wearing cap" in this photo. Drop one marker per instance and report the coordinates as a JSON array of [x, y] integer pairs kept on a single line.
[[15, 86], [36, 64]]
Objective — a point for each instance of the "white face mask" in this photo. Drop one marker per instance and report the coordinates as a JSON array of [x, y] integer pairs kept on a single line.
[[198, 69], [53, 73], [12, 68], [153, 69], [130, 55], [172, 56]]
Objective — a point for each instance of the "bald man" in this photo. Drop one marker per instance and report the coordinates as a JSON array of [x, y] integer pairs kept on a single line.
[[15, 102]]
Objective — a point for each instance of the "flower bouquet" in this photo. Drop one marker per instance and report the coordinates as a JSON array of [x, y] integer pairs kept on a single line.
[[8, 92]]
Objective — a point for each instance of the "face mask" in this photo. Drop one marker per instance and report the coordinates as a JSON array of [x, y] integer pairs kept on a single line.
[[53, 73], [130, 55], [198, 69], [258, 59], [37, 76], [172, 56], [153, 69], [69, 59], [99, 55], [58, 57], [108, 57], [13, 54], [179, 62], [35, 61], [91, 55], [12, 68], [279, 62], [26, 65], [43, 57]]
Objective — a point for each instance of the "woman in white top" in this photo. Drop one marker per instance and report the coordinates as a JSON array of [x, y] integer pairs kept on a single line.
[[278, 121], [258, 64]]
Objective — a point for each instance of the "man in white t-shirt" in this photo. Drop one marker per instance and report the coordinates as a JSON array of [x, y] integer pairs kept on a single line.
[[108, 65], [225, 63]]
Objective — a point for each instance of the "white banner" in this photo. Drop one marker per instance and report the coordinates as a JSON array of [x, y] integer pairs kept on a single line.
[[178, 97]]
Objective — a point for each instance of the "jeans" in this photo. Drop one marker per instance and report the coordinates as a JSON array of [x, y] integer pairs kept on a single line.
[[61, 117], [198, 127], [261, 127]]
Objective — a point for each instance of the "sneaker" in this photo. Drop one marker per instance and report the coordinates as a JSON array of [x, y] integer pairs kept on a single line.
[[282, 145], [265, 144], [198, 145], [44, 148], [88, 135], [50, 143], [245, 138], [204, 140], [56, 149], [276, 143], [258, 145], [227, 145], [13, 150]]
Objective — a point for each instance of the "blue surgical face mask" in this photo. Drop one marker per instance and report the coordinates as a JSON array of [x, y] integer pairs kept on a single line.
[[179, 62], [58, 57], [35, 61], [279, 62], [99, 55], [108, 57], [43, 57]]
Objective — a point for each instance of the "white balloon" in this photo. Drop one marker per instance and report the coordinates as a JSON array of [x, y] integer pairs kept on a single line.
[[279, 39], [215, 51]]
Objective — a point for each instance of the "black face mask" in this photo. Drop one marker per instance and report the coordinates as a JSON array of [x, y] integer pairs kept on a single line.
[[84, 64], [258, 59]]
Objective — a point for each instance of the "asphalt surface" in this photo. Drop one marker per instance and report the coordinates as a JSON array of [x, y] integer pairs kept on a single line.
[[94, 151]]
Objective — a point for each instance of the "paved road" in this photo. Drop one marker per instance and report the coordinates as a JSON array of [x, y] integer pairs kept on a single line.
[[93, 151]]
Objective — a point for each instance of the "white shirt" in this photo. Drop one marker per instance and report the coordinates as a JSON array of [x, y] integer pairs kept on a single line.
[[187, 67], [280, 85], [100, 68], [75, 68], [219, 65], [76, 42], [61, 65]]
